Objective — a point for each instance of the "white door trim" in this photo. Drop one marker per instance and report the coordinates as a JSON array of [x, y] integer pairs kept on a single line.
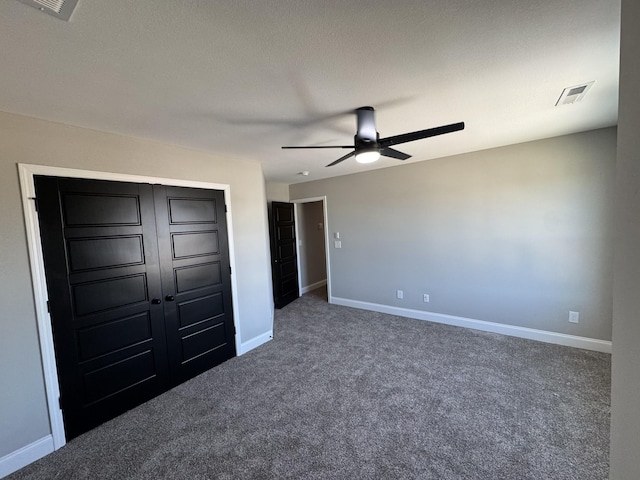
[[322, 199], [27, 189]]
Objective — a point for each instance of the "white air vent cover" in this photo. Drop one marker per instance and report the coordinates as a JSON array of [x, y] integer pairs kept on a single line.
[[58, 8], [574, 94]]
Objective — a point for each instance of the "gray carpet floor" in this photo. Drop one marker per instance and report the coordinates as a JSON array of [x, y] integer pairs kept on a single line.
[[341, 393]]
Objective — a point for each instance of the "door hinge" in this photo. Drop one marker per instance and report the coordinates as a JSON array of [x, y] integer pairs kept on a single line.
[[48, 307], [60, 402], [225, 209], [35, 202], [230, 270]]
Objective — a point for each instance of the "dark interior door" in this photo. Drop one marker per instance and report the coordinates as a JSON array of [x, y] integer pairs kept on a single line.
[[127, 293], [196, 281], [284, 262]]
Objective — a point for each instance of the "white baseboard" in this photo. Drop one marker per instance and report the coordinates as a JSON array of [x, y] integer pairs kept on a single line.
[[313, 286], [24, 456], [511, 330], [255, 342]]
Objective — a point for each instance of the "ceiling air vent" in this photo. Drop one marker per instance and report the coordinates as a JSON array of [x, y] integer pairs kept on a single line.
[[574, 94], [58, 8]]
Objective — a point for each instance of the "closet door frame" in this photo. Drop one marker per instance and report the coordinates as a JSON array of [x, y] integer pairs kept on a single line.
[[27, 189]]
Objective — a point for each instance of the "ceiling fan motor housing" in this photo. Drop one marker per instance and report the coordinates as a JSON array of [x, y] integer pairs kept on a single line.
[[364, 144]]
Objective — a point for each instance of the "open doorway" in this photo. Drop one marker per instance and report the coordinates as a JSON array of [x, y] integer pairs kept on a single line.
[[311, 245]]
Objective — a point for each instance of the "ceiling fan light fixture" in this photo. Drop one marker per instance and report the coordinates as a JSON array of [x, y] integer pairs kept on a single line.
[[367, 156]]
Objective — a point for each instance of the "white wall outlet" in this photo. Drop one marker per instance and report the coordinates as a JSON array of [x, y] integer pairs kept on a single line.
[[425, 298], [337, 244], [574, 317], [400, 294]]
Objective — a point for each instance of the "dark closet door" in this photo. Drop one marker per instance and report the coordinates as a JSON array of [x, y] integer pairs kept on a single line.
[[101, 262], [284, 261], [196, 281], [133, 290]]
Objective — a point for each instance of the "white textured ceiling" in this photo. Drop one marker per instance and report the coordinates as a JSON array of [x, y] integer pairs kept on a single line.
[[240, 78]]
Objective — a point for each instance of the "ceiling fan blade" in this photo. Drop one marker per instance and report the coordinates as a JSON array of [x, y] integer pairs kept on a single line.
[[420, 134], [342, 159], [322, 146], [390, 152]]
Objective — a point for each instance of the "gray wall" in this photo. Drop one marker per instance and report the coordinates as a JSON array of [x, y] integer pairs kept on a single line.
[[23, 411], [311, 238], [277, 192], [625, 393], [516, 235]]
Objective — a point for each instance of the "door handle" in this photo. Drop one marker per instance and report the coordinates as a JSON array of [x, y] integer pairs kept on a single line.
[[169, 298], [156, 301]]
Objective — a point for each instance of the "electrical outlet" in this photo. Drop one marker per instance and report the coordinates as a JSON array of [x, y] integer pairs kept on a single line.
[[574, 317], [337, 244], [400, 294], [425, 298]]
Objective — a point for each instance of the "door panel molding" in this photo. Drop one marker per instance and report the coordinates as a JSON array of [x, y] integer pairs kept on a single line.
[[36, 261]]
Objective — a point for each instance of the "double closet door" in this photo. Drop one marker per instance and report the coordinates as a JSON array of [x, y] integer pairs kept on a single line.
[[139, 289]]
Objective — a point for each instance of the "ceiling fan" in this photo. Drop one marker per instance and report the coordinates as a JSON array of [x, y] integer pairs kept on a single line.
[[368, 146]]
